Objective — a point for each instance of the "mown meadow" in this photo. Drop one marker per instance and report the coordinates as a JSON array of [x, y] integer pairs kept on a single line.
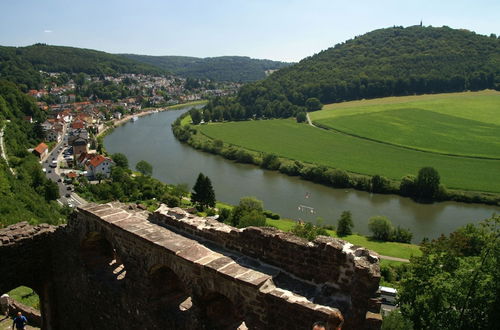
[[361, 154]]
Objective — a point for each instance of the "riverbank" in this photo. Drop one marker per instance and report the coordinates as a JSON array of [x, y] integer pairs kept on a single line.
[[145, 112], [197, 137]]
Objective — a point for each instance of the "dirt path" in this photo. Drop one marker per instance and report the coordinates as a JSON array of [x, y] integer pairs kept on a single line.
[[394, 258]]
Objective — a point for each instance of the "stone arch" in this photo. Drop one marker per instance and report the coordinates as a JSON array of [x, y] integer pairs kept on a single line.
[[219, 312], [167, 290], [101, 258]]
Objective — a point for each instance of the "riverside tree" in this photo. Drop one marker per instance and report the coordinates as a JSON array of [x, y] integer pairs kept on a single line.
[[344, 227], [455, 283], [427, 183], [144, 167], [203, 193]]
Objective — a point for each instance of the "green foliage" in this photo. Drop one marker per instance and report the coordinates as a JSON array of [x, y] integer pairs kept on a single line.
[[383, 230], [144, 167], [224, 68], [380, 227], [252, 218], [170, 200], [380, 184], [21, 64], [313, 104], [270, 162], [385, 62], [345, 224], [301, 117], [246, 206], [308, 231], [395, 321], [196, 116], [120, 160], [407, 186], [427, 183], [28, 195], [271, 215], [224, 214], [455, 283], [203, 193]]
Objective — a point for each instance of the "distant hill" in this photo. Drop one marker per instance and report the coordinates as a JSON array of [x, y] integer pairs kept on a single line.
[[386, 62], [224, 68], [21, 64]]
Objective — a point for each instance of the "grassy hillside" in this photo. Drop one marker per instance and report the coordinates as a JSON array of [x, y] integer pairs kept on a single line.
[[223, 68], [466, 124], [21, 64], [302, 142]]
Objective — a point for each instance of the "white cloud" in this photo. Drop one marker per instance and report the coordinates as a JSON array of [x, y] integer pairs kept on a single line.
[[47, 31]]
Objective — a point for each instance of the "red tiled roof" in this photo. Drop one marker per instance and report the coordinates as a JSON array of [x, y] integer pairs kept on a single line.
[[71, 175], [95, 161], [40, 149]]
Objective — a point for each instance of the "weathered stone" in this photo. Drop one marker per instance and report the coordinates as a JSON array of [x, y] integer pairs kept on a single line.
[[118, 260]]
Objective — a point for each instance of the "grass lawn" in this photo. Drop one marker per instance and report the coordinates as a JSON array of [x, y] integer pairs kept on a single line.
[[392, 249], [25, 296], [458, 123], [288, 139]]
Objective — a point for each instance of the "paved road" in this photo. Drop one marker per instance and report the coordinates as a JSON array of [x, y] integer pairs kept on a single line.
[[53, 173]]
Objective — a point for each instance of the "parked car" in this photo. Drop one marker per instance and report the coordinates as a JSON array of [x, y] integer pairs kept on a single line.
[[68, 195]]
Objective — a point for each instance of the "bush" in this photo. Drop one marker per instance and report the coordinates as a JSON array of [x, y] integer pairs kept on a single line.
[[301, 117], [308, 231], [337, 178], [253, 218], [380, 184], [270, 162], [271, 215], [407, 187], [224, 214], [401, 235], [380, 227]]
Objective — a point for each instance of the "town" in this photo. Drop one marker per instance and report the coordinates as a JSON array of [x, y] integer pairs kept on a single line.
[[82, 107]]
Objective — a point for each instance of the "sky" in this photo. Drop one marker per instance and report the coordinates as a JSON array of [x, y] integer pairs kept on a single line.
[[283, 30]]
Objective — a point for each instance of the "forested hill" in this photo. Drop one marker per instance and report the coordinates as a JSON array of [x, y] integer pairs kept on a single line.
[[21, 64], [223, 68], [385, 62]]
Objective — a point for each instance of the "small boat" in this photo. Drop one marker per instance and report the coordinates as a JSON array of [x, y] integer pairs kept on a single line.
[[134, 118]]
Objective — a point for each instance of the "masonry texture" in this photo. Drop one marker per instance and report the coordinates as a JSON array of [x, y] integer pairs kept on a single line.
[[115, 266]]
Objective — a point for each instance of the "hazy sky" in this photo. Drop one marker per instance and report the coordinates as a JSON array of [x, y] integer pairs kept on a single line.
[[286, 30]]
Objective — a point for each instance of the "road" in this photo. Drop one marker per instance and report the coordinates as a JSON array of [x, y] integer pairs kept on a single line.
[[53, 173], [2, 146]]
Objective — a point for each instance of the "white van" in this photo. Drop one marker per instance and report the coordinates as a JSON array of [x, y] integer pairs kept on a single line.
[[388, 295]]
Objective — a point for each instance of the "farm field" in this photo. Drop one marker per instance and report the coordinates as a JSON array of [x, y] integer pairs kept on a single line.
[[288, 139], [466, 124]]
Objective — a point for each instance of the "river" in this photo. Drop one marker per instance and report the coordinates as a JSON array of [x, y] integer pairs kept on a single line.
[[150, 138]]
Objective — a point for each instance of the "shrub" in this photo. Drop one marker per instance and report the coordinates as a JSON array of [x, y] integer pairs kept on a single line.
[[301, 117], [253, 218], [270, 162], [380, 227], [308, 231], [271, 215]]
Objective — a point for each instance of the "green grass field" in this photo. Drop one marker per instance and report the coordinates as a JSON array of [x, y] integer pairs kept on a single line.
[[466, 124], [302, 142], [26, 296], [392, 249]]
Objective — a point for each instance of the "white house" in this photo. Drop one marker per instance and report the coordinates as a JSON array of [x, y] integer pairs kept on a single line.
[[99, 165]]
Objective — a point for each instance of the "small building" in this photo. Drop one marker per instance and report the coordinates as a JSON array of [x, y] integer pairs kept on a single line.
[[99, 164], [79, 145], [41, 150]]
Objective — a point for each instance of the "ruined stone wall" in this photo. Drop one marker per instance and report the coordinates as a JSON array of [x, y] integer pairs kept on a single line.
[[350, 272], [115, 267]]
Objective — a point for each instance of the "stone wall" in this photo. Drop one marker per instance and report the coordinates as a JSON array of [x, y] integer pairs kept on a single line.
[[116, 267]]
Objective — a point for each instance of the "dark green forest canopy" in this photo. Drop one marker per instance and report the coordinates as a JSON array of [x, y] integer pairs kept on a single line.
[[21, 64], [223, 68], [24, 194], [386, 62]]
